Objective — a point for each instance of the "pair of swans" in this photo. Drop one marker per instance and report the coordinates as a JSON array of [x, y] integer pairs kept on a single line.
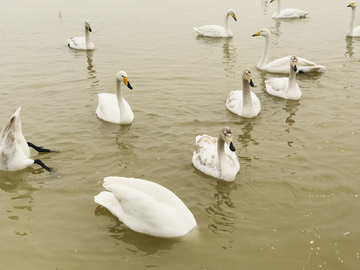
[[217, 30], [146, 207], [353, 31], [281, 65], [14, 150], [82, 43], [289, 13]]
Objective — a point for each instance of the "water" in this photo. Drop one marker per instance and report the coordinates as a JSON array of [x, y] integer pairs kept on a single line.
[[295, 202]]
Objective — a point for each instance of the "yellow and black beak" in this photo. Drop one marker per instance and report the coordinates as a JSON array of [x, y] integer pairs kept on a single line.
[[127, 83], [256, 34], [234, 16], [250, 81], [351, 5], [294, 65]]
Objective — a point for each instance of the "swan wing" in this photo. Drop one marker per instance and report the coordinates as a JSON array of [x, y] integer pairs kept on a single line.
[[256, 103], [291, 13], [78, 43], [277, 86], [281, 65], [211, 31], [234, 102], [356, 31], [108, 108]]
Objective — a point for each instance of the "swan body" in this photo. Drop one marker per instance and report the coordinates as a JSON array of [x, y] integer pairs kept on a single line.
[[244, 102], [146, 207], [14, 150], [82, 43], [281, 65], [353, 31], [217, 30], [113, 107], [216, 156], [289, 13], [285, 87]]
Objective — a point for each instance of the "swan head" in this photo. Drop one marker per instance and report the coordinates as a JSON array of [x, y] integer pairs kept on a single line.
[[227, 135], [293, 63], [87, 25], [352, 5], [123, 77], [247, 76], [263, 32], [231, 13]]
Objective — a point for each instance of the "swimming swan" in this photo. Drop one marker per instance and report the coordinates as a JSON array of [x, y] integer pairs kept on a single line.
[[288, 13], [285, 87], [146, 207], [211, 158], [244, 102], [14, 150], [281, 65], [353, 32], [217, 30], [82, 43], [113, 107]]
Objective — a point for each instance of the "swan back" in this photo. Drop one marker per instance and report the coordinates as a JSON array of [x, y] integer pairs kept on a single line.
[[289, 13], [146, 207]]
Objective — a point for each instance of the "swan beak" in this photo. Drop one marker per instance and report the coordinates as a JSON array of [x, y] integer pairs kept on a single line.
[[256, 34], [127, 83], [294, 67], [232, 148], [350, 5], [250, 81], [90, 29], [234, 17], [272, 1]]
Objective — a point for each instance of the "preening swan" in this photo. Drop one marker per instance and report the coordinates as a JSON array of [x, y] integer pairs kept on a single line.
[[285, 87], [216, 156], [353, 32], [244, 102], [288, 13], [113, 107], [281, 65], [14, 150], [146, 207], [217, 30], [82, 43]]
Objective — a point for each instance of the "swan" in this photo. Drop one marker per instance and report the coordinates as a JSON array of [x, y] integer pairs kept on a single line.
[[288, 13], [14, 150], [285, 87], [82, 43], [211, 158], [217, 30], [281, 65], [353, 32], [146, 207], [244, 102], [113, 107]]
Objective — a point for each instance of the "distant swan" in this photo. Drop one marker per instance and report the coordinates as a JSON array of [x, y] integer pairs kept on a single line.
[[213, 158], [281, 65], [82, 43], [217, 30], [353, 32], [244, 102], [288, 13], [146, 207], [14, 150], [113, 107], [285, 87]]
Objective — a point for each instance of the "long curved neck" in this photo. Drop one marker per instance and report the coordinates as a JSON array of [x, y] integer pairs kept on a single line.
[[278, 8], [221, 152], [226, 22], [265, 53], [87, 38], [292, 79], [118, 93], [247, 100], [351, 23]]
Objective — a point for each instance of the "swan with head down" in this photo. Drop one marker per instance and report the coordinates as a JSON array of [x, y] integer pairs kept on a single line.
[[281, 65], [217, 30], [216, 156], [288, 13], [82, 43], [353, 31], [285, 87]]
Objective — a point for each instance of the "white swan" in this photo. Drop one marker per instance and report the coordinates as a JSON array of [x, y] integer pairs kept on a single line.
[[353, 32], [281, 65], [285, 87], [82, 43], [146, 207], [211, 158], [113, 107], [288, 13], [244, 102], [217, 30], [14, 150]]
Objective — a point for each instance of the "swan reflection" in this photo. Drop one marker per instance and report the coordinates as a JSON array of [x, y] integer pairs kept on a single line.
[[291, 107], [350, 48]]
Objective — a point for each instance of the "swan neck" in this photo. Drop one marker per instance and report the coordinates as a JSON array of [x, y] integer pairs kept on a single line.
[[87, 38], [221, 152], [265, 52], [118, 91], [278, 7], [351, 23], [226, 22], [247, 100], [292, 78]]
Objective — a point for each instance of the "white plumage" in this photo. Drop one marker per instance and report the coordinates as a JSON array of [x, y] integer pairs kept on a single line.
[[82, 43], [217, 30], [289, 13], [281, 65], [285, 87], [146, 207], [113, 107], [353, 31], [216, 156], [244, 102]]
